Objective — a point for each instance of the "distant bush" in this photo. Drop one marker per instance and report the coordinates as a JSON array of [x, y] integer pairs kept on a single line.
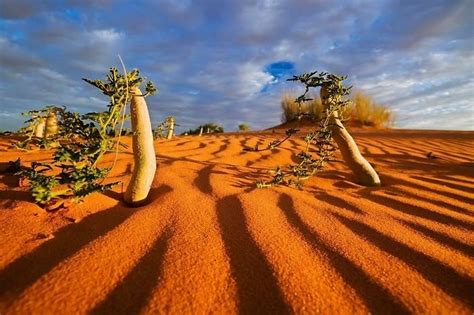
[[244, 127], [290, 108], [206, 128], [363, 110], [368, 113]]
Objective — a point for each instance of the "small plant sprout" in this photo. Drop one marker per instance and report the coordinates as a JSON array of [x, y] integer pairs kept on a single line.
[[208, 128], [51, 129], [170, 121], [361, 168], [143, 151], [74, 172], [122, 88], [42, 128], [244, 127], [166, 125], [332, 94]]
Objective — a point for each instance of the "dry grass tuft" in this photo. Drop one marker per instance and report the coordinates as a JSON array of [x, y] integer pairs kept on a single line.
[[363, 111], [368, 113], [291, 110]]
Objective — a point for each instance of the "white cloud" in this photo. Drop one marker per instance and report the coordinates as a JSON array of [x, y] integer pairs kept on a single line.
[[208, 61]]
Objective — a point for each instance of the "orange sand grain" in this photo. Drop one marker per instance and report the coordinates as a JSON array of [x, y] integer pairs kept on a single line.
[[208, 242]]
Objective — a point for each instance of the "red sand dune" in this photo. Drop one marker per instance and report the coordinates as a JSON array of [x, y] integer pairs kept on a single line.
[[209, 242]]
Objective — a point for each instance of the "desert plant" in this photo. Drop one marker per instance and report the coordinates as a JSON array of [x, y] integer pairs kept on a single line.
[[158, 132], [41, 129], [51, 128], [290, 108], [363, 110], [74, 172], [332, 95], [293, 110], [244, 127], [273, 144], [170, 128], [143, 151], [165, 129], [364, 172], [207, 128], [316, 108], [369, 113], [122, 88]]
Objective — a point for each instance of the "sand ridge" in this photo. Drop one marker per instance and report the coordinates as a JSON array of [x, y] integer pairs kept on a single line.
[[208, 241]]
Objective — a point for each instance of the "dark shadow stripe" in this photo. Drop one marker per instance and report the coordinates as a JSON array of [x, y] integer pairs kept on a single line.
[[444, 277], [412, 184], [441, 238], [257, 287], [419, 211], [440, 203], [444, 183], [338, 202], [203, 180], [454, 179], [132, 294], [24, 271], [377, 299]]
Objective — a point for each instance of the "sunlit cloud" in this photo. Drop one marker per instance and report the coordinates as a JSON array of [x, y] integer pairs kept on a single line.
[[229, 64]]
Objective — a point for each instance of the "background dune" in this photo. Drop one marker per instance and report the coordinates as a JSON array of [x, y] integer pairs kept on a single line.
[[209, 242]]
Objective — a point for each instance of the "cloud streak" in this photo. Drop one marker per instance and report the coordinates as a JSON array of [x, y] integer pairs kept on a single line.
[[213, 62]]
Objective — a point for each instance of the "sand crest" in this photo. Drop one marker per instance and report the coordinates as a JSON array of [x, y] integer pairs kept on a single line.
[[208, 241]]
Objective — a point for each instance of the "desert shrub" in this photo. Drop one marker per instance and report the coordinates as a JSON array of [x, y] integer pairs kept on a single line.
[[315, 108], [362, 110], [333, 95], [40, 129], [74, 173], [365, 111], [165, 128], [292, 109], [211, 127], [244, 127], [319, 141]]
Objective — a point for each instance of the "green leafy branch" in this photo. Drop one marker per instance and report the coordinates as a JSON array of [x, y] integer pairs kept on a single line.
[[36, 117], [320, 140], [74, 173]]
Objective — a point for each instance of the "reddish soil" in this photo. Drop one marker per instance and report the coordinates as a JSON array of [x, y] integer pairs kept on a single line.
[[209, 242]]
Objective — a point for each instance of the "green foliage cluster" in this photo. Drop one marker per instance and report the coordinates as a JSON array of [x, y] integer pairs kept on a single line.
[[320, 140], [207, 128], [74, 173], [163, 128], [363, 110], [32, 122], [293, 110], [244, 127]]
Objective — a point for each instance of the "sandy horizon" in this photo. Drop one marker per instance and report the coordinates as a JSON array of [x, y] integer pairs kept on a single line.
[[209, 242]]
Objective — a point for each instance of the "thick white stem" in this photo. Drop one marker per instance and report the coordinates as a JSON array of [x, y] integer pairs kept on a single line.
[[170, 128], [360, 167], [143, 152], [363, 171], [39, 128], [51, 125]]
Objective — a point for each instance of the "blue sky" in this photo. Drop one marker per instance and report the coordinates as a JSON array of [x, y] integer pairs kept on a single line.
[[227, 61]]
